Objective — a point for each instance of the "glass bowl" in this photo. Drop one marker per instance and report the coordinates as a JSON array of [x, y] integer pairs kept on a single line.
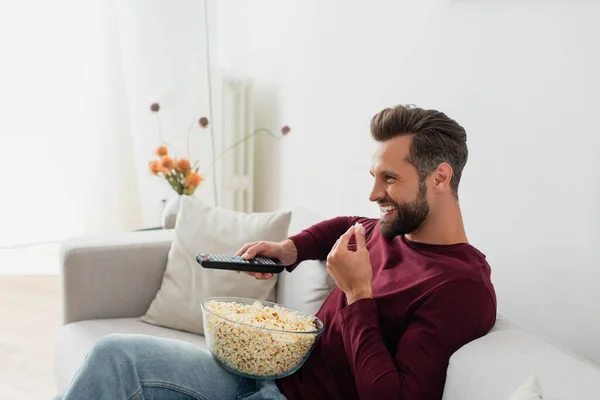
[[245, 343]]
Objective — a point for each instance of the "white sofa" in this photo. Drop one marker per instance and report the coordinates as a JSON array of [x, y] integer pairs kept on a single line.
[[109, 282]]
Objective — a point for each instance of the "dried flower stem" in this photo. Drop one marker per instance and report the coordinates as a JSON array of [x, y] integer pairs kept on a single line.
[[243, 140], [187, 148], [160, 135]]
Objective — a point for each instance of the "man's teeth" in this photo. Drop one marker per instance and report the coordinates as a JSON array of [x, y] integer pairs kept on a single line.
[[387, 208]]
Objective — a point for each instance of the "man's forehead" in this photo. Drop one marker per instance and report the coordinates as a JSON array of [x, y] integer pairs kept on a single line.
[[392, 153]]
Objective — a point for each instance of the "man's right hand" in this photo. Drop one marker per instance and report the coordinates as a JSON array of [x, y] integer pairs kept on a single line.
[[285, 251]]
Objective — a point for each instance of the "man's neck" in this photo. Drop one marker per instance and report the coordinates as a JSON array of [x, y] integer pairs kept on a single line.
[[444, 226]]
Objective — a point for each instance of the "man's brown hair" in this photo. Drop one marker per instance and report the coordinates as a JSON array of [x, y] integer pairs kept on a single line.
[[436, 139]]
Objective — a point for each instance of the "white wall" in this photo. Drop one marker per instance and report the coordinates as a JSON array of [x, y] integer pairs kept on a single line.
[[163, 55], [522, 77], [64, 133]]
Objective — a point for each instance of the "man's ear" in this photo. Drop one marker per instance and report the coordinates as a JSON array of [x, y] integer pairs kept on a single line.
[[442, 176]]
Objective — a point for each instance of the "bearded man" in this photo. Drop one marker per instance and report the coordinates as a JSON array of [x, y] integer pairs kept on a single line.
[[410, 291]]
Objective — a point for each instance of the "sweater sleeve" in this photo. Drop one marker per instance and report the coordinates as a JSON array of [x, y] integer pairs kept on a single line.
[[445, 320], [315, 242]]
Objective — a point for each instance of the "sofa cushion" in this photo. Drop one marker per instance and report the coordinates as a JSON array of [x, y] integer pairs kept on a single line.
[[204, 229], [529, 390], [75, 340], [494, 366], [306, 288]]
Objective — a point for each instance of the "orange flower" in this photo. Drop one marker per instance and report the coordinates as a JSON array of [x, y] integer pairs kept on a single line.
[[155, 167], [182, 165], [161, 151], [193, 179], [167, 162]]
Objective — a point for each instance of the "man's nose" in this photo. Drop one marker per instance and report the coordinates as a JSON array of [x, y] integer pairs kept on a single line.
[[376, 194]]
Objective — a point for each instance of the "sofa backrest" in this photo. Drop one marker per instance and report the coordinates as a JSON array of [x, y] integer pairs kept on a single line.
[[492, 367], [306, 288]]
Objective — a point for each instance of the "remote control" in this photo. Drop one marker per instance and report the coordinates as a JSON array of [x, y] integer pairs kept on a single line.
[[237, 263]]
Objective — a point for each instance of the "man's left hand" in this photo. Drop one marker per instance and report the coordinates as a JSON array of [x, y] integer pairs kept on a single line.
[[350, 269]]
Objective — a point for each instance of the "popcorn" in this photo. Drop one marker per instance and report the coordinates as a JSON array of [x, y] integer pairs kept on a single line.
[[358, 228], [242, 343]]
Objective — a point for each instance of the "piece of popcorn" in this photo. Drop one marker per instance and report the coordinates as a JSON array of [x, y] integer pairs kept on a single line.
[[357, 227]]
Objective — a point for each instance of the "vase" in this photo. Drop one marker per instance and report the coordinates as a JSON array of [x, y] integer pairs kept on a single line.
[[170, 211]]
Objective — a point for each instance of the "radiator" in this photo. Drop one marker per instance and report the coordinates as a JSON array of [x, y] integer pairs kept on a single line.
[[235, 168]]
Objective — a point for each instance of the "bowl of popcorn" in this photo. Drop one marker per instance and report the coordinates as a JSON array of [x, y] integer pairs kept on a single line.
[[258, 339]]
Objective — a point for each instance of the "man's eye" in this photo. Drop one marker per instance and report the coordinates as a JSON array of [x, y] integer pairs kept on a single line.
[[389, 178]]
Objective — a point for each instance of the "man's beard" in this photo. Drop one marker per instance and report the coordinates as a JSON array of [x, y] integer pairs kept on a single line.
[[409, 216]]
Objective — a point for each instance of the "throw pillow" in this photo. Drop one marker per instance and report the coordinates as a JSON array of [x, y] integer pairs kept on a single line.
[[529, 390], [200, 228], [307, 287]]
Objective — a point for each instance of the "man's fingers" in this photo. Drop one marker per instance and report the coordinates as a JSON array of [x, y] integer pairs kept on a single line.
[[335, 246], [343, 243], [360, 238], [263, 277], [245, 248], [253, 250], [258, 275], [345, 238]]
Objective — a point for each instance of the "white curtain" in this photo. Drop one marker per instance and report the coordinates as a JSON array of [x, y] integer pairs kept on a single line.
[[66, 156]]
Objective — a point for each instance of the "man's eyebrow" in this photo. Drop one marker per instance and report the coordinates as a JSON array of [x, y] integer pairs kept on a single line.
[[385, 172], [388, 172]]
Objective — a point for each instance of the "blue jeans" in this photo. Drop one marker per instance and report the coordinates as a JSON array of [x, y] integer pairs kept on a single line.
[[141, 367]]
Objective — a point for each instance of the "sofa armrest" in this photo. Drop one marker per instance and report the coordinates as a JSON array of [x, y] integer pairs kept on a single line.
[[113, 276]]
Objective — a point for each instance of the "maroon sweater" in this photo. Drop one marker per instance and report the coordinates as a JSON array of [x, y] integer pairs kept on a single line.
[[429, 300]]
